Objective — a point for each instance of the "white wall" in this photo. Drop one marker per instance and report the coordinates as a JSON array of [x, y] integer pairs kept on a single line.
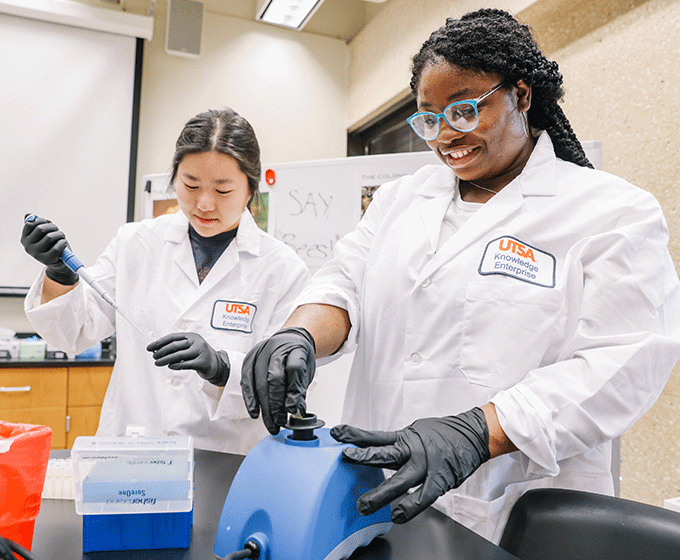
[[291, 86]]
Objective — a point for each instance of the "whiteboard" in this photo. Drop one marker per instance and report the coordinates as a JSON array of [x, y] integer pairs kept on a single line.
[[66, 122], [315, 203]]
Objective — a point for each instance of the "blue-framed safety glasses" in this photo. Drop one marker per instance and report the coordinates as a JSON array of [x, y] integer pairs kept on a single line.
[[462, 116]]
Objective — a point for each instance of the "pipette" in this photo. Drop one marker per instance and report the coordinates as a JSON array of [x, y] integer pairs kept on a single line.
[[74, 263]]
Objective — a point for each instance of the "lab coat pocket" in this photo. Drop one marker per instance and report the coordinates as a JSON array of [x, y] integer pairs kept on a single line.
[[507, 327]]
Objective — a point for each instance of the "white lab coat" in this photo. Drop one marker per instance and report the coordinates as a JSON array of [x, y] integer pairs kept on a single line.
[[557, 301], [149, 270]]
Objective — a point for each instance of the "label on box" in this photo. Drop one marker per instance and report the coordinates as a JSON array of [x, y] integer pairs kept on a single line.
[[146, 494], [32, 351]]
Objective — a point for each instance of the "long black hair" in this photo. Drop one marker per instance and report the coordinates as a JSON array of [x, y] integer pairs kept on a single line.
[[492, 40], [226, 132]]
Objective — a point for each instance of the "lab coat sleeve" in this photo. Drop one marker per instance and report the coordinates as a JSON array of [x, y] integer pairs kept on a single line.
[[227, 402], [80, 318], [622, 342]]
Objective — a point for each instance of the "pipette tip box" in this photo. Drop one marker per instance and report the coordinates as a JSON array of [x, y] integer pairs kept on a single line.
[[134, 493]]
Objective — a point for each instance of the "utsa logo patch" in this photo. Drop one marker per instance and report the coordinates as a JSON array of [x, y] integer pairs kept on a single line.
[[511, 257], [233, 316]]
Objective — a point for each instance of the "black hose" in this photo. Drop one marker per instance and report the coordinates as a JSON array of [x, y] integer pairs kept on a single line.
[[21, 551], [238, 555], [5, 550], [250, 550], [7, 547]]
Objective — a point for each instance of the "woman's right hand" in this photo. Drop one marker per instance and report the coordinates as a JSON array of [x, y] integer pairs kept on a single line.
[[275, 376], [45, 242]]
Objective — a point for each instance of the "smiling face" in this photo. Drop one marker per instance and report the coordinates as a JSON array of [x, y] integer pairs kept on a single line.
[[212, 191], [495, 152]]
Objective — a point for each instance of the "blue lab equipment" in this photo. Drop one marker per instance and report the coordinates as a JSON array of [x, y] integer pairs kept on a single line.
[[294, 497], [74, 263]]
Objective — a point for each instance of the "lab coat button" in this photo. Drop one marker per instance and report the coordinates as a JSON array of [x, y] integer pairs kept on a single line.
[[176, 381], [415, 358], [426, 283]]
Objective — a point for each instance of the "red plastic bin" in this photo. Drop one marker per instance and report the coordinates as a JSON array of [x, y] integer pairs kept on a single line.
[[24, 454]]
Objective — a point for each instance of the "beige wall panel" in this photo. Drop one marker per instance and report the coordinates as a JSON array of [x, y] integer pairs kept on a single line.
[[650, 454], [623, 89], [380, 67]]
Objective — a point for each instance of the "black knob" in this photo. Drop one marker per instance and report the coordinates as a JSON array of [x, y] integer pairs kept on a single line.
[[303, 426]]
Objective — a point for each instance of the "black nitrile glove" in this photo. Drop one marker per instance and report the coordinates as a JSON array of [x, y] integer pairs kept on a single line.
[[45, 242], [275, 376], [187, 350], [436, 453]]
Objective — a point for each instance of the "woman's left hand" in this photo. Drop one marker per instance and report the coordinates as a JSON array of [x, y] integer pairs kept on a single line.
[[436, 453], [187, 350]]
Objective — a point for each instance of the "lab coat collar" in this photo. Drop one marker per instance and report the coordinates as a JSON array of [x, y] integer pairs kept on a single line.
[[178, 228], [539, 176], [437, 193], [247, 239], [439, 183], [248, 235]]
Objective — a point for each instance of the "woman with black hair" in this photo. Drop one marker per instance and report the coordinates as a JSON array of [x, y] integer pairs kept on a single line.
[[205, 283], [514, 308]]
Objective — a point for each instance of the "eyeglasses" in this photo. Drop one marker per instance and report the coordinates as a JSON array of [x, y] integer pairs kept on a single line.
[[462, 116]]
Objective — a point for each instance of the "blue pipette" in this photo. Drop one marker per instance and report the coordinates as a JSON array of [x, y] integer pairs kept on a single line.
[[74, 263]]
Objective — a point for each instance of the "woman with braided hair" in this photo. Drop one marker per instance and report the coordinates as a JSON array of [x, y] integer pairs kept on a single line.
[[492, 41], [514, 308]]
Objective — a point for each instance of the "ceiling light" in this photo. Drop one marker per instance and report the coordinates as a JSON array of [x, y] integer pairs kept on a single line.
[[287, 13]]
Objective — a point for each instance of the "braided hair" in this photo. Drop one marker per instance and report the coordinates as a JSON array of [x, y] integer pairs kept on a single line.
[[492, 40]]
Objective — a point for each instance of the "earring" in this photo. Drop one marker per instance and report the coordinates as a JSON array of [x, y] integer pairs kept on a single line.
[[525, 124]]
